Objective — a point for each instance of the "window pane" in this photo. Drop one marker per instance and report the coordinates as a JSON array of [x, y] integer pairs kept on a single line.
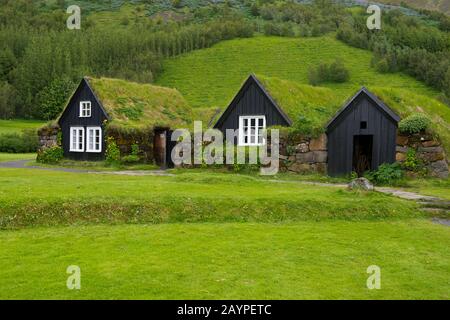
[[252, 122]]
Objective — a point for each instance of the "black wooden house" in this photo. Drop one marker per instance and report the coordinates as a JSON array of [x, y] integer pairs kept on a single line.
[[362, 135], [82, 125]]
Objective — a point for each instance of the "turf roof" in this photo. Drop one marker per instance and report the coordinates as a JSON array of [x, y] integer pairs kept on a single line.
[[131, 104]]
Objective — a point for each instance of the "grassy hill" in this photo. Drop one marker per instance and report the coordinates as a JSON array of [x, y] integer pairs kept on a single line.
[[209, 78], [438, 5]]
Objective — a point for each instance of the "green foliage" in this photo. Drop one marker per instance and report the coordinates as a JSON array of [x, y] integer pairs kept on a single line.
[[7, 93], [334, 72], [414, 123], [412, 162], [133, 157], [52, 98], [386, 174], [112, 154], [14, 142], [50, 155]]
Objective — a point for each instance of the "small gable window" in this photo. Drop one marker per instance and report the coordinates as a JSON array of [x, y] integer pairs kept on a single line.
[[363, 125], [85, 109], [94, 139], [76, 139], [251, 129]]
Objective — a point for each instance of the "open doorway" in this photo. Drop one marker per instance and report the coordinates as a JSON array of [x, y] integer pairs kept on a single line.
[[162, 148], [362, 153], [159, 147]]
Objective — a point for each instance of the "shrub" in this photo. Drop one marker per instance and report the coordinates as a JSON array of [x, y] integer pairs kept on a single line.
[[386, 173], [27, 141], [50, 155], [412, 162], [112, 155], [133, 157], [414, 123], [334, 72]]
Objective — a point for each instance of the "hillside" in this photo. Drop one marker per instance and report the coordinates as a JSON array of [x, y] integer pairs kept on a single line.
[[437, 5], [209, 78]]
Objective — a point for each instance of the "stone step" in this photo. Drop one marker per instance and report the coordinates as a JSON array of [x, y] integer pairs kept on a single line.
[[435, 204], [437, 212]]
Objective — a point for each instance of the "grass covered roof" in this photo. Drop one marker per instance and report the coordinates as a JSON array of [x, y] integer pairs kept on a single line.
[[136, 105], [310, 108]]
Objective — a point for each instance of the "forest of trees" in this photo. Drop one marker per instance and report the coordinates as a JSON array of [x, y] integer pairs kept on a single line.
[[41, 60]]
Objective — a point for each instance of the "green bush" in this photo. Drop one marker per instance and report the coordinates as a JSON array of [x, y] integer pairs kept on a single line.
[[133, 157], [27, 141], [112, 155], [386, 173], [334, 72], [50, 155], [414, 123], [413, 163]]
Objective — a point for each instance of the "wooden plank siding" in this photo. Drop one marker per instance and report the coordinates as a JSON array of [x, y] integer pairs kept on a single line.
[[251, 100], [342, 130], [71, 118]]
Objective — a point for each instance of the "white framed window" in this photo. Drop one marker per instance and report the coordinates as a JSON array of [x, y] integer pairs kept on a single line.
[[85, 109], [93, 139], [77, 139], [251, 129]]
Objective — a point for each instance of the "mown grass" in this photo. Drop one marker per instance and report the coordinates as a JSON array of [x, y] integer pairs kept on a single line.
[[39, 197], [304, 260], [4, 157], [94, 165], [11, 126]]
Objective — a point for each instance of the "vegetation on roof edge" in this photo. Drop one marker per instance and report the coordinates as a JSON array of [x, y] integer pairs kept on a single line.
[[136, 105]]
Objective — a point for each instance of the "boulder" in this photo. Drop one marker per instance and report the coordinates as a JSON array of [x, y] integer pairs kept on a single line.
[[401, 149], [431, 143], [320, 156], [402, 140], [302, 147], [319, 144], [361, 184], [439, 169], [305, 157], [299, 167], [400, 156]]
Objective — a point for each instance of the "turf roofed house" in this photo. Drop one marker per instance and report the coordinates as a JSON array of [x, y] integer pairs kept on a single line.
[[361, 136], [129, 112]]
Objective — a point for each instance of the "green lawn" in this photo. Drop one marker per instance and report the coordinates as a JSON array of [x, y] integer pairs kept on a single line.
[[9, 126], [39, 197], [4, 157], [305, 260]]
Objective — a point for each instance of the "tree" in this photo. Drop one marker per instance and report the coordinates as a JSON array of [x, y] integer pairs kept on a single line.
[[52, 98]]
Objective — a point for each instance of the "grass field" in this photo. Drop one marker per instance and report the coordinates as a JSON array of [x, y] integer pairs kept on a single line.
[[9, 126], [39, 197], [4, 157], [306, 260], [211, 77]]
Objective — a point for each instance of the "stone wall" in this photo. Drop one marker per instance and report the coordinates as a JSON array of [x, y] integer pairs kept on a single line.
[[428, 149], [48, 136], [302, 155], [125, 140]]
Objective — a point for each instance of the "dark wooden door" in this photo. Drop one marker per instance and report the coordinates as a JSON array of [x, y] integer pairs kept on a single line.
[[159, 147]]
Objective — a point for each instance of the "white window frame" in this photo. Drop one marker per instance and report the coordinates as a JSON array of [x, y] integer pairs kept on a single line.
[[241, 130], [77, 137], [85, 112], [88, 136]]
